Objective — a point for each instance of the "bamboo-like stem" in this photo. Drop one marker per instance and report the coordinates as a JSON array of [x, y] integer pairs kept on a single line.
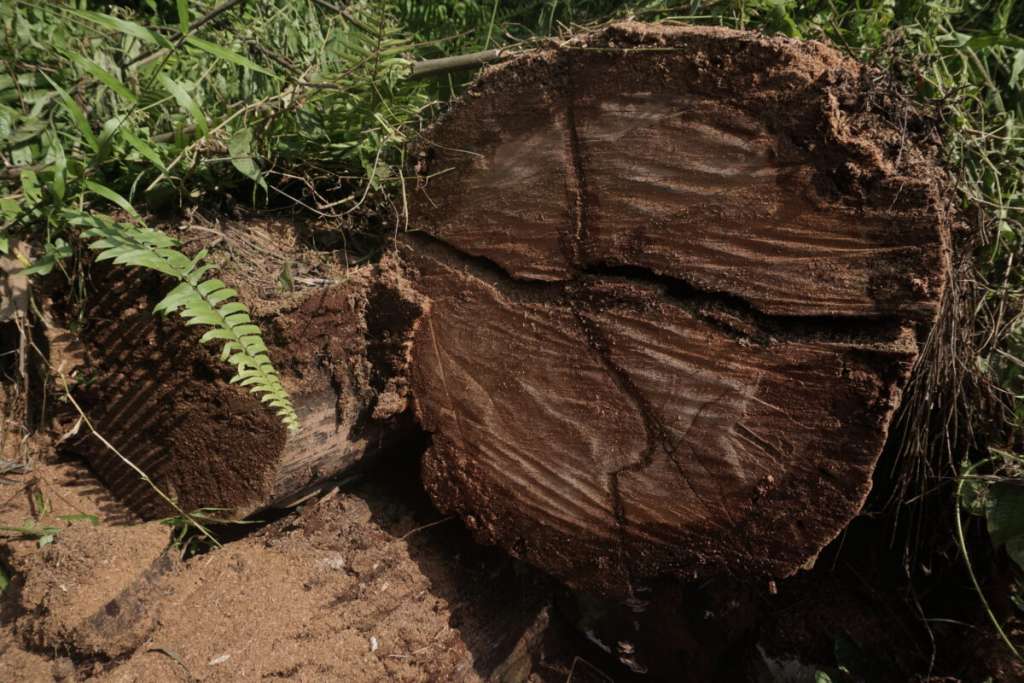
[[444, 65]]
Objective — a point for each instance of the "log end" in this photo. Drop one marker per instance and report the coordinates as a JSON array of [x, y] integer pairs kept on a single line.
[[677, 278]]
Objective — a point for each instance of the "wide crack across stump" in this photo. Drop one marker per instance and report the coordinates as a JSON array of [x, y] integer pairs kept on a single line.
[[729, 313]]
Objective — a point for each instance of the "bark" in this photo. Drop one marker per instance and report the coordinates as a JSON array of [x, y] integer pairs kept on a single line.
[[678, 278], [166, 404]]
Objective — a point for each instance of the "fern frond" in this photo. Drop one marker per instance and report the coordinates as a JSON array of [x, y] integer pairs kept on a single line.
[[200, 302]]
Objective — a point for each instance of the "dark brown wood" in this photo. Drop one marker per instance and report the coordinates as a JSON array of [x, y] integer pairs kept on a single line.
[[165, 403], [677, 281], [662, 292]]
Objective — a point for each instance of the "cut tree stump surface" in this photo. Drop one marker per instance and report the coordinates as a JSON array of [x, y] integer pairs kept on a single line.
[[677, 280]]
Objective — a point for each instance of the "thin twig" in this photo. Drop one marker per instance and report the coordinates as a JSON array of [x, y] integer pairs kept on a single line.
[[425, 526], [962, 540]]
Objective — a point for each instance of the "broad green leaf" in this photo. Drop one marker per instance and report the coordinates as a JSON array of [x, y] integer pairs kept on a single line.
[[240, 149], [234, 307], [1015, 550], [200, 318], [30, 186], [986, 40], [221, 296], [183, 21], [58, 182], [185, 101], [1005, 517], [227, 55], [175, 299], [29, 129], [210, 286], [1017, 69], [55, 251], [25, 80], [107, 131], [238, 318], [216, 333], [143, 148], [9, 209]]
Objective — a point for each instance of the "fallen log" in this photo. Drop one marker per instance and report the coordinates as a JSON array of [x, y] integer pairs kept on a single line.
[[165, 403], [678, 278]]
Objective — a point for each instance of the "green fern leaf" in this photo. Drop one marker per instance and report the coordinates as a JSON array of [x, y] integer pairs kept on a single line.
[[199, 302]]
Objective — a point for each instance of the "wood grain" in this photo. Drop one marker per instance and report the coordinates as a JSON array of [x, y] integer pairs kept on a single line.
[[164, 401], [670, 318]]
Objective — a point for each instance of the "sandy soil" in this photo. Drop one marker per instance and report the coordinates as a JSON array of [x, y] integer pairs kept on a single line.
[[353, 587], [371, 583]]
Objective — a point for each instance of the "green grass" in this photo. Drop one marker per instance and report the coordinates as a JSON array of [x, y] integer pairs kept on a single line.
[[160, 105]]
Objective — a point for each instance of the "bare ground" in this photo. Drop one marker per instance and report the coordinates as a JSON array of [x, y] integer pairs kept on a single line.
[[352, 587], [371, 583]]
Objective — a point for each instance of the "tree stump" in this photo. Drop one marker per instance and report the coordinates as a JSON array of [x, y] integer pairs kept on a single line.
[[678, 278], [339, 341]]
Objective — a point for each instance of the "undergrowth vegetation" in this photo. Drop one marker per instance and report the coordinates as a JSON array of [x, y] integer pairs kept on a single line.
[[110, 112]]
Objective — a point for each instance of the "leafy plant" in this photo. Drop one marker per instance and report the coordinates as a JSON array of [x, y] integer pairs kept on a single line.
[[44, 534], [199, 301], [190, 532], [999, 499]]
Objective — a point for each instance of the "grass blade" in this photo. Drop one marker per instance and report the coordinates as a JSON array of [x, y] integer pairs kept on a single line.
[[129, 28], [102, 75], [76, 114], [227, 55], [111, 196], [183, 21], [185, 101]]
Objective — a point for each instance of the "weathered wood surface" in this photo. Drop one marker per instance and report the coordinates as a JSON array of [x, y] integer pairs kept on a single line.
[[677, 281], [165, 403]]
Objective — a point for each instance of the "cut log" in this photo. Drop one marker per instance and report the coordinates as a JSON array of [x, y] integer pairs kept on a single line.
[[165, 402], [678, 278]]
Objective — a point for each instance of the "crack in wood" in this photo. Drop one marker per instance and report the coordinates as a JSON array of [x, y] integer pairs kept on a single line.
[[654, 430], [588, 291], [652, 427], [645, 273], [728, 313], [576, 185]]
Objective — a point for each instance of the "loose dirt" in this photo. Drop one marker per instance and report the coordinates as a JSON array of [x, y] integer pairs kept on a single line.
[[371, 583], [354, 587]]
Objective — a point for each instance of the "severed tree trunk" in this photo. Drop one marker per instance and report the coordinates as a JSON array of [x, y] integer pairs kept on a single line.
[[678, 278], [664, 289], [340, 342]]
